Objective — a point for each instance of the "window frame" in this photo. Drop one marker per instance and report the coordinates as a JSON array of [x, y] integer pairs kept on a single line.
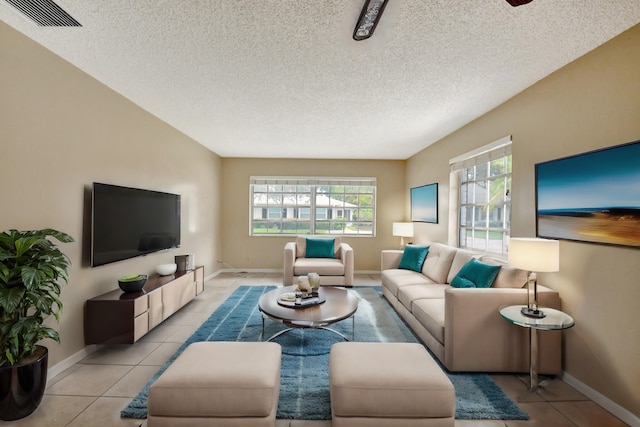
[[301, 214], [477, 165]]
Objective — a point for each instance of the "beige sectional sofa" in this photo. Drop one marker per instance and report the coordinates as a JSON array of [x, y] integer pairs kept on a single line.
[[462, 326]]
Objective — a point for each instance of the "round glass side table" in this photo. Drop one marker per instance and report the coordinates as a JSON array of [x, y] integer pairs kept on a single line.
[[554, 320]]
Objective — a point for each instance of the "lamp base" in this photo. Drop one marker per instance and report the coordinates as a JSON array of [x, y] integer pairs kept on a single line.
[[530, 312]]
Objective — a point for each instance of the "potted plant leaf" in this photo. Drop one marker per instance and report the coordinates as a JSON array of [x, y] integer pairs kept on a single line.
[[32, 268]]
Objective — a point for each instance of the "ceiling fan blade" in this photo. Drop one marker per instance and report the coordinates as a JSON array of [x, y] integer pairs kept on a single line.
[[515, 3]]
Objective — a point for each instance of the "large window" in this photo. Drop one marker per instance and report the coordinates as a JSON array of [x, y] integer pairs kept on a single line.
[[306, 205], [484, 205]]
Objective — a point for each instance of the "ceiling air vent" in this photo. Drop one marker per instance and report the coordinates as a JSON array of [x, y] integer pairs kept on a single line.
[[45, 13]]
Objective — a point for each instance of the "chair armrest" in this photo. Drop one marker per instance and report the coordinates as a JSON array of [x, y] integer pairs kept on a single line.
[[390, 258], [289, 260], [346, 255], [477, 336]]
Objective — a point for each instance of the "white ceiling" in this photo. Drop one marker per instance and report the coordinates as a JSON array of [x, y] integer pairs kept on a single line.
[[285, 79]]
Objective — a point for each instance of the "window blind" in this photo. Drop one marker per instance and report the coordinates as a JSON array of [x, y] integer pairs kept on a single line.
[[486, 153], [293, 180]]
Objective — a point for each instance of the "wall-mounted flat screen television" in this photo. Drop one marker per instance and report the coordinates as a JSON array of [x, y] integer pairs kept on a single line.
[[129, 222], [591, 197]]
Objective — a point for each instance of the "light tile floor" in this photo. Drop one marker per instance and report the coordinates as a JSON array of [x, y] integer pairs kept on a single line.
[[93, 391]]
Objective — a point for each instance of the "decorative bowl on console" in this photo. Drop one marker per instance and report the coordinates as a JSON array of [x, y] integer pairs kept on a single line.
[[166, 269], [132, 282]]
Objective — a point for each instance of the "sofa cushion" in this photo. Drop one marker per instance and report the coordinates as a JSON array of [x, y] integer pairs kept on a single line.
[[461, 257], [395, 279], [319, 248], [436, 266], [408, 294], [322, 266], [430, 313], [475, 274], [413, 257], [508, 277]]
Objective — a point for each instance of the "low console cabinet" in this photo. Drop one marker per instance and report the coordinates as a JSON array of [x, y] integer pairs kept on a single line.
[[123, 318]]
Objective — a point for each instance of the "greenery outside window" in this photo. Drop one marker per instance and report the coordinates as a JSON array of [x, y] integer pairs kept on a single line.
[[308, 205], [484, 203]]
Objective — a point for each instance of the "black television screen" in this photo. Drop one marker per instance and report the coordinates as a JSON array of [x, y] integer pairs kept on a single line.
[[129, 222]]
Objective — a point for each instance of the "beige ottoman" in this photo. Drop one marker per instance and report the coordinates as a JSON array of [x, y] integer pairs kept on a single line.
[[388, 384], [218, 384]]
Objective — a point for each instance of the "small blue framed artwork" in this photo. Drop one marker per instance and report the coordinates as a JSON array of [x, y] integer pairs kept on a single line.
[[591, 197], [424, 203]]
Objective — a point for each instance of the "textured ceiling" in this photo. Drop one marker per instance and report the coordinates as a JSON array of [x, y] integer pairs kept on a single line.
[[284, 78]]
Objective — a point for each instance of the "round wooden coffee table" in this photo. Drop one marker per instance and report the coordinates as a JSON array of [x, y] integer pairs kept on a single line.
[[339, 304]]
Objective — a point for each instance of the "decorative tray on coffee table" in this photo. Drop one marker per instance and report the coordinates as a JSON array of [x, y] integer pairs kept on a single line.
[[295, 300]]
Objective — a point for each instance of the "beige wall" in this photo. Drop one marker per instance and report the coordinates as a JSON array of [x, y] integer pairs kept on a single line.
[[266, 252], [60, 130], [592, 103]]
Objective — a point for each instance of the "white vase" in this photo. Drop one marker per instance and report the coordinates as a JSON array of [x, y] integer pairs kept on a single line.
[[314, 280]]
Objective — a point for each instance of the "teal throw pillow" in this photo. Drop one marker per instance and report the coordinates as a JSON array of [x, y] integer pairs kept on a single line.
[[475, 274], [413, 257], [319, 248]]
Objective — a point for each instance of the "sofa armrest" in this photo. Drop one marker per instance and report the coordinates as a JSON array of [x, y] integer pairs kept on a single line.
[[477, 336], [344, 250], [346, 255], [390, 258], [289, 260]]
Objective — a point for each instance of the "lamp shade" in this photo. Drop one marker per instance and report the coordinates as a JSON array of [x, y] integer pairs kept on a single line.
[[533, 254], [403, 229]]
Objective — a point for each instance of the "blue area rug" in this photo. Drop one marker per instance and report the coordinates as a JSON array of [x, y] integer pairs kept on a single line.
[[304, 391]]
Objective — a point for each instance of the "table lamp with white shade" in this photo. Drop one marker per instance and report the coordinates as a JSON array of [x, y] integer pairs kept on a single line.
[[403, 229], [534, 255]]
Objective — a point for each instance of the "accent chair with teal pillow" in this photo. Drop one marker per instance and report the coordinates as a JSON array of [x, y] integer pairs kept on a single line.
[[326, 255], [413, 257], [475, 274], [319, 248]]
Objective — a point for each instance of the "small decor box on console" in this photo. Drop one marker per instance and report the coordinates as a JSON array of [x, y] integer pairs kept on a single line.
[[185, 262]]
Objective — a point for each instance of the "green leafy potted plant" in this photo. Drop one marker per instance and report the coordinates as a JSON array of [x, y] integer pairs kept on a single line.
[[32, 268]]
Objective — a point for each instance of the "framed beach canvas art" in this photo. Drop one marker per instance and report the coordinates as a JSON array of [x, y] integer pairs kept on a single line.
[[424, 203], [591, 197]]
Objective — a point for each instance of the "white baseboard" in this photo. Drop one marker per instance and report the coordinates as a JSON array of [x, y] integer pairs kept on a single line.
[[376, 272], [244, 270], [273, 270], [59, 367], [211, 276], [617, 410]]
